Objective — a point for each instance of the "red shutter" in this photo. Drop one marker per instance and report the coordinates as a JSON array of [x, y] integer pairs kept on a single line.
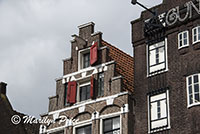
[[71, 92], [92, 87], [93, 53]]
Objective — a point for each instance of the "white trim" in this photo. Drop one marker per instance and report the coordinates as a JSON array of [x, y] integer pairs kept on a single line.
[[108, 116], [80, 57], [49, 131], [88, 102], [85, 70], [168, 113], [166, 60], [182, 35], [82, 124], [187, 78]]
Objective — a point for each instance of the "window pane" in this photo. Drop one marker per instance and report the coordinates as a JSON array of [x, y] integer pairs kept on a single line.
[[180, 37], [84, 130], [116, 123], [86, 60], [196, 88], [198, 33], [107, 125], [185, 42], [185, 35], [190, 99], [190, 89], [190, 80], [196, 79], [197, 97]]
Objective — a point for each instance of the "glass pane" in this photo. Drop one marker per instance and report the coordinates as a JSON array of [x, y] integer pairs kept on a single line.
[[196, 88], [197, 97], [195, 38], [116, 123], [190, 99], [195, 31], [190, 89], [196, 79], [80, 131], [88, 130], [180, 37], [107, 125], [185, 42], [185, 35], [190, 80]]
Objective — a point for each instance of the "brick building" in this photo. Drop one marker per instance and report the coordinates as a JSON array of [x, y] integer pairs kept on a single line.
[[167, 68], [6, 113], [95, 91]]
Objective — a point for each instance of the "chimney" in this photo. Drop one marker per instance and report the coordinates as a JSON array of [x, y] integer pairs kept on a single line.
[[86, 30], [3, 88]]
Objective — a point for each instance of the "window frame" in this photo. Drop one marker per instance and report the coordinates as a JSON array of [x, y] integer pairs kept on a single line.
[[81, 54], [193, 92], [81, 84], [109, 116], [150, 130], [79, 125], [165, 69], [197, 28], [182, 39]]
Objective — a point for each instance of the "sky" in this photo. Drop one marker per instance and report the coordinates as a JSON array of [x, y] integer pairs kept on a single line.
[[35, 36]]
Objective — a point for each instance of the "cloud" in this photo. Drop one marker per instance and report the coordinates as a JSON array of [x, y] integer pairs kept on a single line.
[[35, 37]]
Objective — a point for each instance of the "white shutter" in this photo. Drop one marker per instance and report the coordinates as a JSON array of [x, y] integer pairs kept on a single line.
[[154, 111]]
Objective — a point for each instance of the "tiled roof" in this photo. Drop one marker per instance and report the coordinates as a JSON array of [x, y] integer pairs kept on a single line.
[[124, 65]]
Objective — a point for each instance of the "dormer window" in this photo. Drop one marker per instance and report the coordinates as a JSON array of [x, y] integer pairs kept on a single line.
[[84, 58], [88, 57]]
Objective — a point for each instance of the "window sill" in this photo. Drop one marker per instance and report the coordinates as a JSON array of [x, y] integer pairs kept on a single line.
[[183, 50], [159, 130], [192, 105], [196, 45], [81, 102], [156, 73]]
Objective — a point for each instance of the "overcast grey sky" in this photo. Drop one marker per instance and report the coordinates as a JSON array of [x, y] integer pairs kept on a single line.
[[35, 36]]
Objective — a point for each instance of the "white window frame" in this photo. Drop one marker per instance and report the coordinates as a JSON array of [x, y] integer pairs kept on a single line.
[[149, 74], [167, 112], [193, 93], [182, 40], [81, 84], [108, 116], [197, 36], [81, 124], [80, 57]]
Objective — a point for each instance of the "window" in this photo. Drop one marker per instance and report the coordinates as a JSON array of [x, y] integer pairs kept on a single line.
[[101, 84], [111, 126], [84, 130], [158, 112], [157, 58], [183, 39], [193, 93], [86, 60], [196, 34], [85, 92]]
